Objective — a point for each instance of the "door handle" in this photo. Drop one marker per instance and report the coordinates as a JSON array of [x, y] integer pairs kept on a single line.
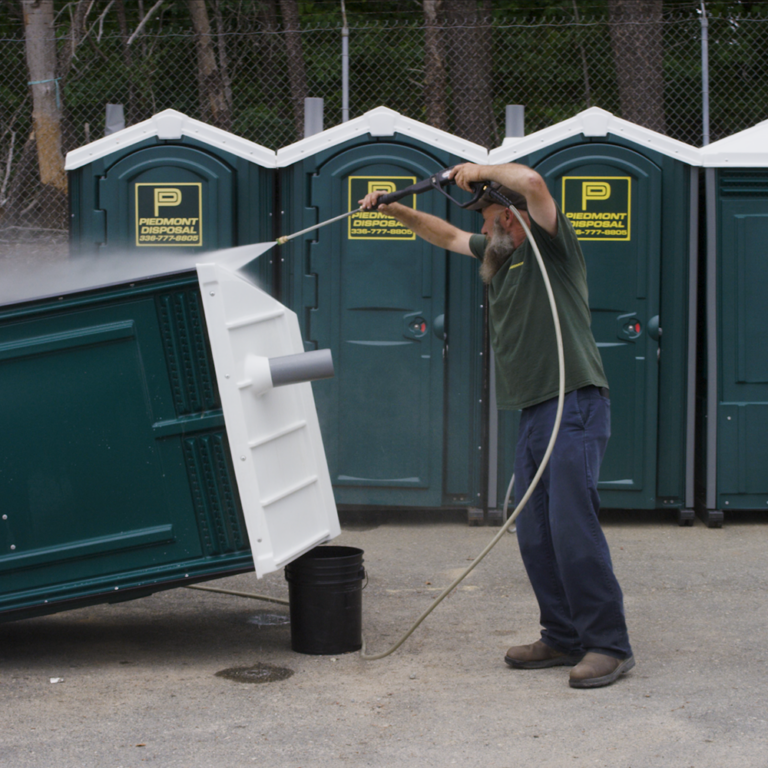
[[438, 327]]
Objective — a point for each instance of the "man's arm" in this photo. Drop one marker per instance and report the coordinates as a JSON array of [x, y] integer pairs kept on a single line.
[[431, 228], [520, 178]]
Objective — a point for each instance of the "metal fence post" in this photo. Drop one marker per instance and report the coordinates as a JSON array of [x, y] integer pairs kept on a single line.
[[344, 66], [704, 74]]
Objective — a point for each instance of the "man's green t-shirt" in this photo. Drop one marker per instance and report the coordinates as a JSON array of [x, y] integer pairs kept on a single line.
[[521, 325]]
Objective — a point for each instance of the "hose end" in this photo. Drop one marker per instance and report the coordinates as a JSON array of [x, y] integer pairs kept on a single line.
[[282, 240]]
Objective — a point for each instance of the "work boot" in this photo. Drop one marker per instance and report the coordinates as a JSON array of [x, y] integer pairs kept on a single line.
[[538, 655], [597, 669]]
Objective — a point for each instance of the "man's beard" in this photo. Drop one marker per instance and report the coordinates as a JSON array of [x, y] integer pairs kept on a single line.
[[497, 251]]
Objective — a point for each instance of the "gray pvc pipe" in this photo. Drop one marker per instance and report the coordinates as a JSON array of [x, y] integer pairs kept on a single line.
[[515, 120], [306, 366], [313, 116]]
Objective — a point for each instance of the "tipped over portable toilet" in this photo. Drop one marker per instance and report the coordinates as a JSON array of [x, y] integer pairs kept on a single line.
[[146, 446], [403, 420], [632, 195], [733, 408], [170, 184]]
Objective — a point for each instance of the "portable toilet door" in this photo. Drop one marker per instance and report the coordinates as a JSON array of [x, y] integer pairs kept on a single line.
[[169, 185], [631, 195], [401, 419], [734, 404]]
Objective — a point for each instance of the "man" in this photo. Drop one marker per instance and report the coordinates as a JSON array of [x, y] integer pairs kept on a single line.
[[562, 545]]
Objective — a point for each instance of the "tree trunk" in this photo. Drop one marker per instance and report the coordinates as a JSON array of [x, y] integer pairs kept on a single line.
[[131, 108], [76, 33], [470, 72], [46, 99], [213, 101], [296, 72], [636, 37], [70, 135], [267, 44], [223, 60], [434, 67], [24, 183]]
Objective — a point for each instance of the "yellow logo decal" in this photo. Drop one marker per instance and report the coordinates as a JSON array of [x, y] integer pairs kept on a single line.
[[166, 197], [599, 207], [375, 225], [157, 226], [382, 186], [594, 190]]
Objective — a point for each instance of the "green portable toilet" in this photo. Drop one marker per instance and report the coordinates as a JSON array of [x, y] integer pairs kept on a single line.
[[403, 418], [170, 185], [632, 195], [142, 450], [734, 397]]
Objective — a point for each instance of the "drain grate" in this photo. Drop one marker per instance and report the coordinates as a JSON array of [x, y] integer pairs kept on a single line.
[[258, 673]]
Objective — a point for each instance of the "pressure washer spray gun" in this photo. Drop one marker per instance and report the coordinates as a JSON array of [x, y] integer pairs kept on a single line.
[[438, 181]]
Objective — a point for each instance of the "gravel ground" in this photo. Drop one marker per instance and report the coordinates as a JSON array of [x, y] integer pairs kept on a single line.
[[136, 683]]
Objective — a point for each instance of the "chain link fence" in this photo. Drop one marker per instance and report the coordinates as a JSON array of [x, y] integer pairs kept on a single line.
[[457, 77]]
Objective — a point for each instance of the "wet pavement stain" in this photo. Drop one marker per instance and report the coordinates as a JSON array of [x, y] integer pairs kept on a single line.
[[258, 673], [269, 619]]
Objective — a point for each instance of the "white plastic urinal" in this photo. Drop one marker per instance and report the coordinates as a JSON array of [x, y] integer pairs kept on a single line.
[[274, 434]]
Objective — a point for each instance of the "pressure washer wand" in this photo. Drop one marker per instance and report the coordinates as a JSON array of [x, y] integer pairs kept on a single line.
[[390, 197], [285, 238], [435, 181]]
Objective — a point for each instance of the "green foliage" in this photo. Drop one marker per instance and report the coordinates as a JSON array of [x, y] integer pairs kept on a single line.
[[540, 58]]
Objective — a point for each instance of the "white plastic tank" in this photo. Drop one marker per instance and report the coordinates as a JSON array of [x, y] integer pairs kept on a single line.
[[272, 426]]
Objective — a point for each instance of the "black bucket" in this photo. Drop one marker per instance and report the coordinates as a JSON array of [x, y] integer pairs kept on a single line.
[[325, 591]]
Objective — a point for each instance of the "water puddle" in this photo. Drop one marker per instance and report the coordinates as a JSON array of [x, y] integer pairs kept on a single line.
[[269, 619]]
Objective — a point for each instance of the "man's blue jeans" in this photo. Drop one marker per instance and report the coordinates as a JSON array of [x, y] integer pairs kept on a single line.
[[562, 544]]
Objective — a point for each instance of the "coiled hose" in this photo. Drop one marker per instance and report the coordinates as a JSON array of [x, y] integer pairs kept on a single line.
[[509, 522]]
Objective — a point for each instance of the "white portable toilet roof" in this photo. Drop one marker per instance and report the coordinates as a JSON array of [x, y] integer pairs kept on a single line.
[[746, 149], [170, 125], [594, 122], [381, 122]]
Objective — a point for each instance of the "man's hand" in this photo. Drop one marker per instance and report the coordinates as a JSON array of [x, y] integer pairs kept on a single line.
[[433, 229], [466, 174], [520, 178], [370, 201]]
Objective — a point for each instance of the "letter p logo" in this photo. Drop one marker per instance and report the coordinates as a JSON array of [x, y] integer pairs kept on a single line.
[[594, 190], [166, 196], [382, 186]]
